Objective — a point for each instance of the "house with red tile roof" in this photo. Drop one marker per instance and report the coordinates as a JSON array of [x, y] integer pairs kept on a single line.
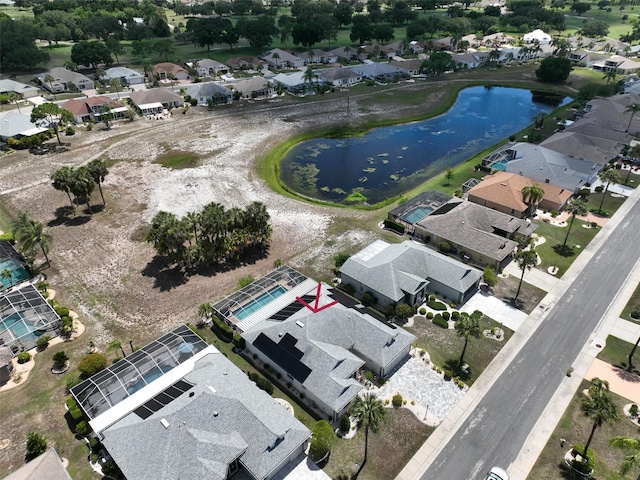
[[165, 69], [88, 109]]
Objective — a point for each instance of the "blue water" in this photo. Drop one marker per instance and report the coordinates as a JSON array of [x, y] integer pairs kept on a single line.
[[148, 377], [390, 161], [417, 214], [18, 273], [19, 329], [259, 302]]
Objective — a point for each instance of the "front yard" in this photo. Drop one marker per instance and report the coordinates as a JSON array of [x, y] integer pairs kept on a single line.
[[632, 305]]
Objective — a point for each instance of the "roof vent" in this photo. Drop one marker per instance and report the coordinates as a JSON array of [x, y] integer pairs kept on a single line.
[[164, 423], [213, 390], [299, 323], [215, 413]]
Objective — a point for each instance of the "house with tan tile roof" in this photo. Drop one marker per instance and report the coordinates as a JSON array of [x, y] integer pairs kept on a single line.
[[88, 109], [163, 70], [502, 191]]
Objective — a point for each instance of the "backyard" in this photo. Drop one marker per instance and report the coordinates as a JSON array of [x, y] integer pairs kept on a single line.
[[574, 427]]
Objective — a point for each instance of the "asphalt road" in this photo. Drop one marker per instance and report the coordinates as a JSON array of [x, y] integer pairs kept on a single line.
[[496, 430]]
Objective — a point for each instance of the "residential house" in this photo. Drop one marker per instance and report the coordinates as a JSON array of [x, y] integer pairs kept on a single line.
[[295, 82], [617, 63], [446, 43], [245, 63], [612, 112], [278, 59], [17, 125], [550, 167], [321, 349], [537, 36], [209, 92], [593, 126], [253, 87], [410, 67], [349, 53], [88, 109], [470, 59], [477, 234], [415, 47], [190, 412], [405, 272], [408, 213], [495, 40], [380, 72], [587, 147], [64, 80], [155, 100], [124, 75], [502, 191], [47, 466], [314, 55], [587, 58], [339, 77], [22, 89], [165, 70], [209, 68]]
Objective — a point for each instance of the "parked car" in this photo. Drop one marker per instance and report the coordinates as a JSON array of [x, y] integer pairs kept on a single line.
[[497, 473]]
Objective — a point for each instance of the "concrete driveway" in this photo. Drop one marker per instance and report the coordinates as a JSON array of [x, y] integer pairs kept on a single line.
[[500, 311]]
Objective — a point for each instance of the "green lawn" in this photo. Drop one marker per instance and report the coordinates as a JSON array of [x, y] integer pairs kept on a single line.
[[445, 346], [16, 13], [617, 26], [575, 428], [616, 352], [610, 205], [632, 304]]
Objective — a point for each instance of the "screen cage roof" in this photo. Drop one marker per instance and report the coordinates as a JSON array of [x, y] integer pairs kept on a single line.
[[109, 387]]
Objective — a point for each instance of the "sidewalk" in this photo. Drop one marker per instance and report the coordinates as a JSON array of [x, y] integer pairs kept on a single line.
[[547, 422], [535, 276]]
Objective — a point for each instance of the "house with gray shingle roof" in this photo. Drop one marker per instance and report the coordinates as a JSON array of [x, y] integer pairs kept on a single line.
[[279, 58], [378, 71], [321, 352], [124, 75], [64, 80], [339, 77], [22, 89], [478, 234], [587, 147], [155, 100], [47, 466], [405, 272], [202, 419], [209, 92], [253, 87]]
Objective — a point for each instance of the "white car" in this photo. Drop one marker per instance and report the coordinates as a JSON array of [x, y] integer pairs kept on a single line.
[[497, 473]]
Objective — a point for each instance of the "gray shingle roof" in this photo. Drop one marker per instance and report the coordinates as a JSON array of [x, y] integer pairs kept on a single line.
[[592, 149], [382, 271], [198, 443], [335, 343], [474, 227], [47, 466], [207, 90]]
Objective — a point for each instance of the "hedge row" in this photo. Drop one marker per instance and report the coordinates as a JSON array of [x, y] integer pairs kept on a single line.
[[261, 382], [436, 305], [393, 226], [441, 322], [224, 331]]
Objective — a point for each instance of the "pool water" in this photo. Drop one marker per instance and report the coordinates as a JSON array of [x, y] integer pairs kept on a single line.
[[18, 328], [147, 378], [18, 273], [501, 165], [417, 214], [259, 302]]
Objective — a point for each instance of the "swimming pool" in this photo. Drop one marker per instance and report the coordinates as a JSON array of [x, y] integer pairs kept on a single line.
[[19, 328], [501, 165], [417, 214], [259, 302], [18, 273], [147, 378]]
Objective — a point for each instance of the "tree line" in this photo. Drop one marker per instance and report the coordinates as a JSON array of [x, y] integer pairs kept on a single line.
[[213, 235]]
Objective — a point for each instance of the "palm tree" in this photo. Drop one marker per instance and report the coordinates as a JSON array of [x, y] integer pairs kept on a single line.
[[369, 412], [106, 115], [538, 120], [610, 75], [98, 171], [6, 274], [61, 180], [632, 445], [599, 407], [526, 260], [532, 195], [31, 236], [192, 222], [577, 207], [633, 109], [100, 74], [48, 78], [205, 311], [276, 57], [147, 68], [630, 356], [114, 345], [116, 84], [171, 77], [82, 185], [609, 176], [309, 76], [468, 326], [14, 97]]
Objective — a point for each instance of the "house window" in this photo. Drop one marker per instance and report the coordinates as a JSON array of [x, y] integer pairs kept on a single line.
[[513, 211]]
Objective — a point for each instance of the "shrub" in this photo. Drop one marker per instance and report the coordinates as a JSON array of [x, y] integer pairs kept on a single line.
[[368, 375], [74, 410], [222, 330], [89, 126], [60, 359], [43, 342], [345, 423], [92, 364], [446, 315], [71, 381], [110, 469], [448, 375], [368, 299], [444, 247], [391, 225], [246, 280], [431, 298], [599, 188], [238, 341], [430, 315], [261, 382], [396, 401], [36, 445], [82, 429], [24, 357], [441, 322], [455, 315], [423, 310], [554, 213], [588, 464], [69, 131], [584, 192], [350, 289], [322, 439], [436, 305], [67, 326], [339, 259], [61, 311], [633, 410]]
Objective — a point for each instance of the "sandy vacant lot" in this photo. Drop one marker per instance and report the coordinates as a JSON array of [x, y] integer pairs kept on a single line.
[[101, 264]]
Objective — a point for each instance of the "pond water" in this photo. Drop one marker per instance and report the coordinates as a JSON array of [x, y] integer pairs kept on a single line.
[[389, 161]]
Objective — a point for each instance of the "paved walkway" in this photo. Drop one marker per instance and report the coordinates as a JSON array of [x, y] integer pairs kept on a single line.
[[623, 383], [540, 279], [500, 311]]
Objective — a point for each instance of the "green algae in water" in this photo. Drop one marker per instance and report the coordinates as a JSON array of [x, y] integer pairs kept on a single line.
[[306, 176]]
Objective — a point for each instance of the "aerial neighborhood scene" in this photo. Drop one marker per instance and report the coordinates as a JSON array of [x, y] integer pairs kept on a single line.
[[318, 239]]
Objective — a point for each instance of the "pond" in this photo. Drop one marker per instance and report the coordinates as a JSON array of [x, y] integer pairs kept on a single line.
[[389, 161]]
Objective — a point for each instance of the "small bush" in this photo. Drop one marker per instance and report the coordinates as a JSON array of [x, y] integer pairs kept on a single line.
[[585, 466], [554, 213], [60, 359], [436, 305], [368, 299], [61, 311], [633, 410], [345, 423], [368, 375], [71, 381], [74, 410], [238, 341], [36, 445], [430, 315], [599, 188], [448, 375], [261, 382], [391, 225], [247, 280], [441, 322], [444, 247], [92, 364], [222, 330], [89, 126], [69, 131], [43, 342], [322, 439], [446, 315], [396, 401], [422, 310], [455, 315], [82, 429], [24, 357], [584, 192]]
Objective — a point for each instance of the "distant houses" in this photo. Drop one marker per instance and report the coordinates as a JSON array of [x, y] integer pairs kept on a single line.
[[63, 80], [124, 75]]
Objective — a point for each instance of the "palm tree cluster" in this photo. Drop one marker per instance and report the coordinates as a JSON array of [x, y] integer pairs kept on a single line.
[[31, 236], [80, 181], [214, 235]]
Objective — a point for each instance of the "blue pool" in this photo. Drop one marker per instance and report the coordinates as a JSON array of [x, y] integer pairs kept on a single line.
[[19, 328], [148, 377], [259, 302], [417, 214], [18, 273]]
